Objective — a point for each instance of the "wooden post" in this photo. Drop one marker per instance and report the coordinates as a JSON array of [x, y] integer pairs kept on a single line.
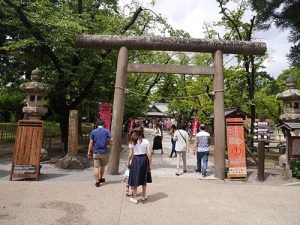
[[219, 118], [261, 161], [118, 111]]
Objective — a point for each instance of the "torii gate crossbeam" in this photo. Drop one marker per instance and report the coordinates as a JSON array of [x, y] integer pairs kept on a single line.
[[126, 43]]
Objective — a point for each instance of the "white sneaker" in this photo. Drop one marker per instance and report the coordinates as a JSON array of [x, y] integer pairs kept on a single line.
[[133, 200], [144, 198]]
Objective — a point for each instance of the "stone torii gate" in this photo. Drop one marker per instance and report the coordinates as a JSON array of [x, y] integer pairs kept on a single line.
[[216, 47]]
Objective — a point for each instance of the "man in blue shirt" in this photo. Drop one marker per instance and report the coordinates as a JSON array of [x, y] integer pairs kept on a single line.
[[202, 144], [100, 138]]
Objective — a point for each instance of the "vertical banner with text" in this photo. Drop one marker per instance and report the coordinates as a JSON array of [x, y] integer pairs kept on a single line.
[[169, 123], [236, 148], [195, 126], [131, 124], [105, 114]]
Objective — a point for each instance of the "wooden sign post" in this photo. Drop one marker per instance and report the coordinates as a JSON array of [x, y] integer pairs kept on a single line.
[[236, 149], [28, 144]]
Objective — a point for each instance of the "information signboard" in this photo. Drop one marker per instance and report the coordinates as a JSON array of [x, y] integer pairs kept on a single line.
[[236, 148], [27, 150], [261, 131]]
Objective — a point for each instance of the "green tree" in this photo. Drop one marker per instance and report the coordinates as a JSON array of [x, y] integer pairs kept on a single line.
[[237, 29], [188, 95], [42, 33], [285, 14]]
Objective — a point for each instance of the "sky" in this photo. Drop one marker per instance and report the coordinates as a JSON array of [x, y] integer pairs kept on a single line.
[[190, 15]]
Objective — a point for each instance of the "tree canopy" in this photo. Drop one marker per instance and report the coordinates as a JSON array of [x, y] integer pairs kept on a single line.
[[42, 33], [285, 14]]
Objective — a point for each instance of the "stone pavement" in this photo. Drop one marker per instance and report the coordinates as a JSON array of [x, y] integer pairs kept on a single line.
[[70, 197]]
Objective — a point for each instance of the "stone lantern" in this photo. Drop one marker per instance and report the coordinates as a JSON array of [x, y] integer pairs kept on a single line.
[[291, 101], [35, 90], [290, 122]]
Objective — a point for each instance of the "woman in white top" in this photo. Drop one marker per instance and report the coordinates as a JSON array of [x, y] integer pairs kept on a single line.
[[182, 138], [139, 162]]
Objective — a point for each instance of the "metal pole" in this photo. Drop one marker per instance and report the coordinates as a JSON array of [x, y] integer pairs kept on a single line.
[[118, 111], [261, 161], [219, 118]]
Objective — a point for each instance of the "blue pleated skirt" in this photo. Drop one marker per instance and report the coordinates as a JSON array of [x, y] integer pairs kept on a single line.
[[138, 170]]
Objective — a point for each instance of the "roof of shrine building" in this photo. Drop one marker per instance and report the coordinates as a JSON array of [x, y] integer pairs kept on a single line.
[[233, 112], [159, 110]]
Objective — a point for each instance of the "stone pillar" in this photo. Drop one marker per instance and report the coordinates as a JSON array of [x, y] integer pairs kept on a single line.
[[118, 111], [73, 133], [72, 160], [219, 117]]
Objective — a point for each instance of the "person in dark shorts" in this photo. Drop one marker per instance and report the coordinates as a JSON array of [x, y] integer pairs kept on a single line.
[[100, 138]]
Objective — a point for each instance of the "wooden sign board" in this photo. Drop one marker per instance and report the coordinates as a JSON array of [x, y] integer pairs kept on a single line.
[[27, 150], [261, 131], [295, 147], [236, 149]]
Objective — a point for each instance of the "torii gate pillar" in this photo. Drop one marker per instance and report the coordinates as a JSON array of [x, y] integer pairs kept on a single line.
[[157, 43], [219, 117], [118, 111]]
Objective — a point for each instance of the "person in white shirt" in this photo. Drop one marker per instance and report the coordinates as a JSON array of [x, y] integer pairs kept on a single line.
[[201, 145], [181, 147], [139, 162]]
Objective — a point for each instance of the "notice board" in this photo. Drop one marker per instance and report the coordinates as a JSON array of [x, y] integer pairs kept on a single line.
[[236, 148], [27, 150]]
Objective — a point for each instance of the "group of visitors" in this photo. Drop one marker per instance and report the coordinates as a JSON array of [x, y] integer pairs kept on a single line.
[[140, 155], [179, 140]]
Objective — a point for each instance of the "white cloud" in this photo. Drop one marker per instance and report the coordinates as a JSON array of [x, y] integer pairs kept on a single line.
[[190, 15]]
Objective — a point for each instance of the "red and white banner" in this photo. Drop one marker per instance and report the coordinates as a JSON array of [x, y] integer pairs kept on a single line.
[[236, 148], [169, 123], [105, 114], [130, 124], [195, 126]]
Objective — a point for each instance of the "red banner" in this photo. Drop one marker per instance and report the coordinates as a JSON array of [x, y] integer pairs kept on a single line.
[[105, 114], [130, 124], [169, 123], [236, 148], [195, 126]]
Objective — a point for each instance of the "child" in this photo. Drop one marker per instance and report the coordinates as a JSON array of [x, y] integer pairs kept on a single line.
[[125, 179]]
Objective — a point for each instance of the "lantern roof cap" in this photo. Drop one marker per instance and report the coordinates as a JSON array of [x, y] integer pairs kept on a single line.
[[35, 85], [292, 93]]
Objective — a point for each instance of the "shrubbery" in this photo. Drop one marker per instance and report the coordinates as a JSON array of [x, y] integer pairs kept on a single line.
[[295, 167]]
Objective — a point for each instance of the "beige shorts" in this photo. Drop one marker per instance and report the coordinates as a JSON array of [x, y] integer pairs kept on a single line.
[[100, 160]]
